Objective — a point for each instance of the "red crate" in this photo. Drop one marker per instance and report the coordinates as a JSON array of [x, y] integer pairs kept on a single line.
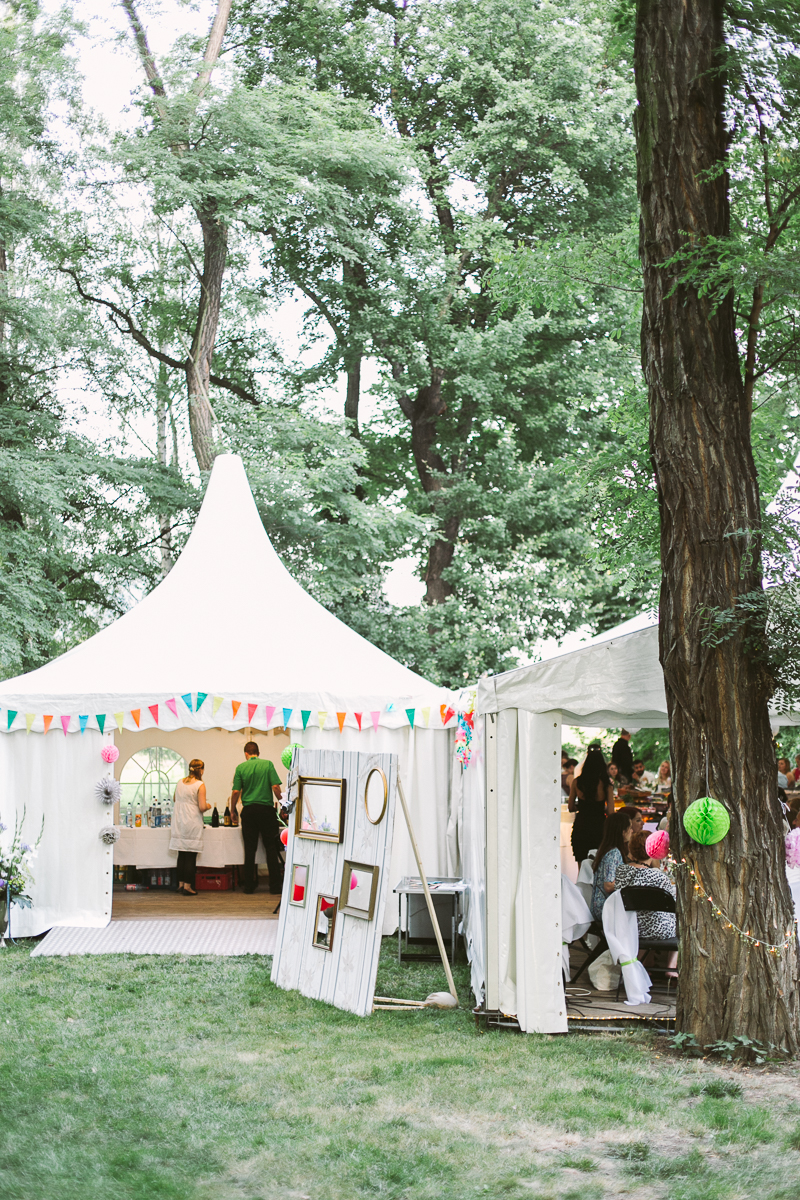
[[209, 880]]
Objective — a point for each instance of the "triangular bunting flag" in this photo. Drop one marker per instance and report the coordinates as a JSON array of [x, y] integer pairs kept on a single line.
[[200, 698], [321, 718], [119, 718], [215, 703], [376, 716], [340, 718], [153, 710], [101, 721], [172, 706], [235, 705], [305, 713], [410, 715], [11, 715], [251, 712], [426, 716], [358, 717], [287, 716], [83, 721], [442, 711], [136, 714], [187, 700], [449, 713], [270, 713], [390, 706], [64, 724], [29, 719], [47, 723]]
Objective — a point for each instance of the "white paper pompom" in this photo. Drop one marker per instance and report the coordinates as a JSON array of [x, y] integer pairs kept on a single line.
[[109, 834], [108, 791]]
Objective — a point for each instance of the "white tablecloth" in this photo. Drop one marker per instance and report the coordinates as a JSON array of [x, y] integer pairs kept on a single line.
[[145, 847]]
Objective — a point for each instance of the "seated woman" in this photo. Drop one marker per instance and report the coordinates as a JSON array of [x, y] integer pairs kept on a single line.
[[611, 854], [663, 779], [641, 872]]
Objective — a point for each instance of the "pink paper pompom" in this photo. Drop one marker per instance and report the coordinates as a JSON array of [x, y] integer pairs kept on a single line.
[[109, 754], [793, 848], [657, 845]]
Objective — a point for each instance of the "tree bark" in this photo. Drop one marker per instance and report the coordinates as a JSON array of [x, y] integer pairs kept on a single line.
[[162, 407], [717, 695], [198, 363]]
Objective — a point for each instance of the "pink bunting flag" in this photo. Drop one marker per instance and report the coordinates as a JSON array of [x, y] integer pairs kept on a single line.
[[270, 711], [65, 724], [154, 712], [376, 716], [172, 706], [251, 709]]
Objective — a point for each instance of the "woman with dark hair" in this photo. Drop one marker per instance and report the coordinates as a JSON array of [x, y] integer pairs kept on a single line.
[[641, 871], [187, 824], [611, 853], [591, 798]]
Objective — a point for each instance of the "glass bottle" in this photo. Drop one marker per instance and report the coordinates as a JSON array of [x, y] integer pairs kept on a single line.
[[215, 818], [137, 819], [226, 820]]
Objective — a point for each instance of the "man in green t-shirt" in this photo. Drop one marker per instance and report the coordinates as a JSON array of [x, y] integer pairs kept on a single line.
[[259, 785]]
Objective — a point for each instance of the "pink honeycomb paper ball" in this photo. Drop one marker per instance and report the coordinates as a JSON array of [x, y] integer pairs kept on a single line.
[[657, 845], [109, 754], [793, 848]]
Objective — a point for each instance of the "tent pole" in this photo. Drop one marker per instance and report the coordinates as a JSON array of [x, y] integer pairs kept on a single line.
[[426, 890]]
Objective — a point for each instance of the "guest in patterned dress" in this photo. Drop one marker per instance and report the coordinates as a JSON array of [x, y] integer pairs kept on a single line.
[[641, 872], [611, 854]]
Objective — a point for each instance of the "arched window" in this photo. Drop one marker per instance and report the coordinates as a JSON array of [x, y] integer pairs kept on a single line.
[[151, 774]]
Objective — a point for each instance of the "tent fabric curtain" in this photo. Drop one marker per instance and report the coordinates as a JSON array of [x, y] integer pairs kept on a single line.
[[470, 785], [55, 777]]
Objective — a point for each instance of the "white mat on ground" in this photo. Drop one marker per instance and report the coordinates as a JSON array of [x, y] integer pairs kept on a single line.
[[162, 937]]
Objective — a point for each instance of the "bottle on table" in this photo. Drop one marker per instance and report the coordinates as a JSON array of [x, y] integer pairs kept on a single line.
[[158, 816], [215, 818], [226, 820], [137, 818]]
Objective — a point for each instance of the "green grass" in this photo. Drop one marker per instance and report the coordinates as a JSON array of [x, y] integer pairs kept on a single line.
[[128, 1078]]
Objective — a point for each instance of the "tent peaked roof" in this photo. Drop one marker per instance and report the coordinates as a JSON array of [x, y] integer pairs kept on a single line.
[[228, 620]]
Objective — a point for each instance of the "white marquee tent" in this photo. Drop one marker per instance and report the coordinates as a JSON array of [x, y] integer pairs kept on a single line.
[[228, 640], [512, 807]]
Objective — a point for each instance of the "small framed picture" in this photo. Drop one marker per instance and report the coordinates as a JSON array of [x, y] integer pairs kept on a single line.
[[325, 922], [299, 885], [319, 813], [359, 889]]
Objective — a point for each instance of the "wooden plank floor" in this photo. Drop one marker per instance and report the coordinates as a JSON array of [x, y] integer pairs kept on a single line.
[[587, 1006], [149, 906]]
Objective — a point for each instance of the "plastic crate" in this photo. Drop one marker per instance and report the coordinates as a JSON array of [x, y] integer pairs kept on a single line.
[[209, 880]]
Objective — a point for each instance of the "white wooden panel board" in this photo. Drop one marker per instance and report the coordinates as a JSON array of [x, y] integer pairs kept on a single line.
[[344, 976]]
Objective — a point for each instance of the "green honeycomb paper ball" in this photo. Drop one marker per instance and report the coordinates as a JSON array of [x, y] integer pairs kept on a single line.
[[286, 757], [706, 821]]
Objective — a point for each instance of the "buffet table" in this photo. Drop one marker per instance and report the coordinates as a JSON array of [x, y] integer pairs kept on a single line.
[[144, 848]]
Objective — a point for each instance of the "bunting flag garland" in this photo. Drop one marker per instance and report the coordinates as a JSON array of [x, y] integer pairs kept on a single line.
[[410, 715], [29, 719], [187, 700], [321, 716], [251, 711], [390, 706], [215, 703], [101, 721], [200, 700], [11, 715], [305, 713], [287, 716], [235, 705], [270, 713], [426, 716], [173, 708], [447, 713], [376, 716], [83, 721], [340, 718], [47, 723], [153, 710], [358, 717], [136, 714], [65, 724], [119, 718]]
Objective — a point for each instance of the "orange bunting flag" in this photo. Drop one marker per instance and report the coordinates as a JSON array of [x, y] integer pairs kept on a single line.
[[321, 716], [47, 723], [154, 712], [236, 705], [340, 718], [447, 713], [136, 713]]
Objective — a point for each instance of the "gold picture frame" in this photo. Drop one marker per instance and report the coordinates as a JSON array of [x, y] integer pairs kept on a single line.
[[319, 812], [362, 904], [300, 884], [376, 790], [324, 922]]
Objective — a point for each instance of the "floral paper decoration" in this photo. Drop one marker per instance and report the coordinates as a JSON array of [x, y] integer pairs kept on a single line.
[[109, 754], [108, 791], [109, 835], [706, 821], [657, 845], [286, 756]]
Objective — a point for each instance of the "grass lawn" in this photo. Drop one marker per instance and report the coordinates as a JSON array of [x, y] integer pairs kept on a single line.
[[129, 1078]]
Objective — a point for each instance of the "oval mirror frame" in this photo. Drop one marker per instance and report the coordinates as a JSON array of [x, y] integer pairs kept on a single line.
[[377, 820]]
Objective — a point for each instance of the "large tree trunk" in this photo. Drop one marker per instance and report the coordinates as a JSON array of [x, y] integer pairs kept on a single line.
[[198, 363], [162, 407], [710, 546]]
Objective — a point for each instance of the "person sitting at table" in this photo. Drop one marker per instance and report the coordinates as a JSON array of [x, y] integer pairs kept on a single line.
[[644, 778], [663, 779], [613, 775], [591, 798], [258, 783], [186, 831], [640, 871], [611, 854], [785, 768]]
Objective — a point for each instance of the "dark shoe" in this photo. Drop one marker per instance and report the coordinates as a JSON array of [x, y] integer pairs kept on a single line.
[[248, 891]]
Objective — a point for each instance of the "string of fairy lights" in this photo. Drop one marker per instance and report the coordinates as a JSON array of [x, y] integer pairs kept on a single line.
[[719, 914]]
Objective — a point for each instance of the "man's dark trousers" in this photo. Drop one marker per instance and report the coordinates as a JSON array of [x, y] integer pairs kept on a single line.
[[261, 820]]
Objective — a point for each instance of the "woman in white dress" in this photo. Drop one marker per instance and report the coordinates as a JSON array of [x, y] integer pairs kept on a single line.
[[187, 824]]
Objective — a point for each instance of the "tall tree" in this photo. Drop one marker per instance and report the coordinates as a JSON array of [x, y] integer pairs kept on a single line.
[[700, 395]]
